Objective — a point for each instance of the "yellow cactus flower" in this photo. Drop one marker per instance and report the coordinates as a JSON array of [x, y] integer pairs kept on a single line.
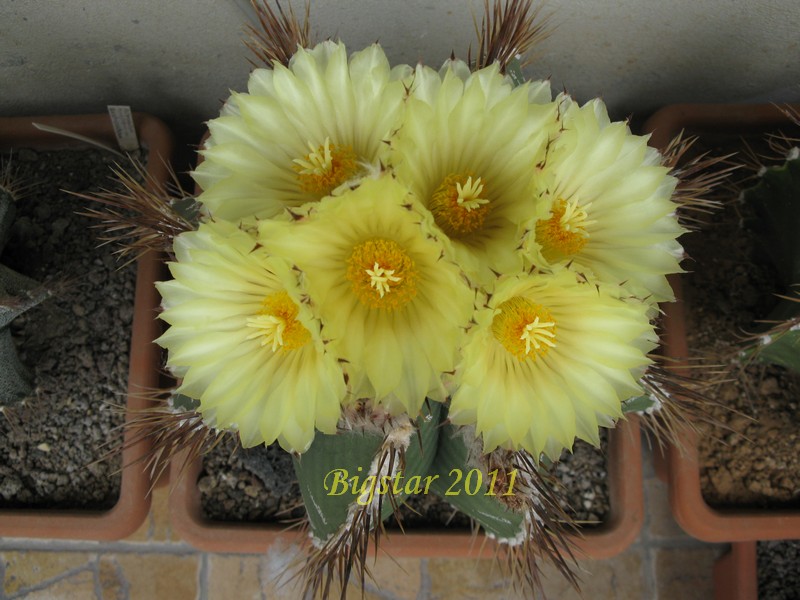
[[550, 357], [300, 133], [244, 340], [393, 307], [467, 149], [603, 205]]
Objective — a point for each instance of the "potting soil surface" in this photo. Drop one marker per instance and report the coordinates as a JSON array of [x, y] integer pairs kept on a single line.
[[778, 570]]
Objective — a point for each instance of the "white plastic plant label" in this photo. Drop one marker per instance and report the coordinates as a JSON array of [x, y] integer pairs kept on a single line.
[[124, 128]]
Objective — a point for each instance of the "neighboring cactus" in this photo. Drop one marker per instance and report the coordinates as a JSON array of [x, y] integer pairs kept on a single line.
[[17, 294], [776, 200], [676, 398]]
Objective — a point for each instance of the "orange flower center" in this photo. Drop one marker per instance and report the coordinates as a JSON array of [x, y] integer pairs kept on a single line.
[[460, 204], [277, 325], [564, 234], [524, 328], [382, 274], [325, 168]]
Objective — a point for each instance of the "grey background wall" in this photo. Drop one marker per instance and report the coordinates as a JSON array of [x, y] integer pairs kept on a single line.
[[178, 58]]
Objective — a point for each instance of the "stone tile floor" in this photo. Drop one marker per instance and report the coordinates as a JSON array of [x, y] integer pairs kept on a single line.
[[153, 564]]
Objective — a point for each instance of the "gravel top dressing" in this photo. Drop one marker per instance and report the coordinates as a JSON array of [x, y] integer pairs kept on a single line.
[[75, 344]]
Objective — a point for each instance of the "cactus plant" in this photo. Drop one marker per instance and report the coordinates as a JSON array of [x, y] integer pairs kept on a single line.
[[18, 293], [360, 286], [776, 199]]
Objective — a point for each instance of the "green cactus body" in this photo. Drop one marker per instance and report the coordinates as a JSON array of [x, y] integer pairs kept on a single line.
[[327, 472], [7, 214], [438, 463], [470, 490], [776, 199], [644, 404], [782, 349]]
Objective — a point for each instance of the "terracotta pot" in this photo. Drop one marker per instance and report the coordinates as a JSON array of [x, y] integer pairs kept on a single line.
[[736, 573], [606, 540], [690, 509], [134, 501]]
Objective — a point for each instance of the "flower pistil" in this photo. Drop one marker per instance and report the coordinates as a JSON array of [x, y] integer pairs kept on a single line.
[[325, 168], [459, 205], [277, 323], [564, 233], [524, 328], [382, 274], [379, 278]]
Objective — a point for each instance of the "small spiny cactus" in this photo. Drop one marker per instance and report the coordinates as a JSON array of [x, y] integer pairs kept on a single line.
[[17, 294], [776, 199]]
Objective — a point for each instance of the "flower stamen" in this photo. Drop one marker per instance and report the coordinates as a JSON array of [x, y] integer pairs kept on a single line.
[[325, 168]]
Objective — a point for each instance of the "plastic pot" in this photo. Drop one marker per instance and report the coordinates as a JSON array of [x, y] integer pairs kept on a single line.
[[736, 573], [681, 464], [144, 360]]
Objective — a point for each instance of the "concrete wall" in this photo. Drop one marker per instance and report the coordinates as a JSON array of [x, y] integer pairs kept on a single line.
[[178, 58]]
